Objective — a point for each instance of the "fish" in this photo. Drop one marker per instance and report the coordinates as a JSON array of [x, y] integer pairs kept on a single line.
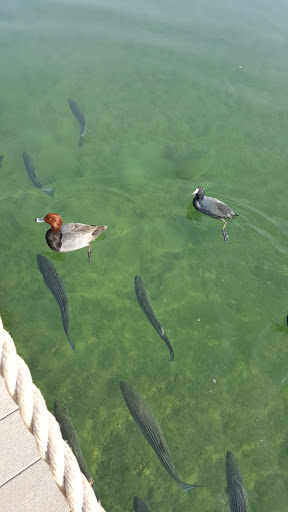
[[139, 505], [235, 485], [151, 431], [146, 306], [80, 118], [1, 158], [69, 434], [54, 282], [31, 171]]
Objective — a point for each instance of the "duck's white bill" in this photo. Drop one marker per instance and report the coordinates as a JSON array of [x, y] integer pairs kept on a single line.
[[40, 219], [195, 191]]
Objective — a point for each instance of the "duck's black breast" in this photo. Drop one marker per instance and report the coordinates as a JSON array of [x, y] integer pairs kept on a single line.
[[54, 240]]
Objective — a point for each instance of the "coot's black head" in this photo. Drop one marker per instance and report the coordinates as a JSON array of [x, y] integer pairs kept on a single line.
[[200, 192]]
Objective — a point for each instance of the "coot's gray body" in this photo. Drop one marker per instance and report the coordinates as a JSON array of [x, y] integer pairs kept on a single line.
[[211, 206]]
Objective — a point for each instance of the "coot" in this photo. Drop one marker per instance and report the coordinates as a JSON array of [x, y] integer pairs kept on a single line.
[[213, 207]]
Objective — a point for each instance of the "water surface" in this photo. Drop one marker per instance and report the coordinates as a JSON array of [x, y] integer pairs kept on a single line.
[[175, 96]]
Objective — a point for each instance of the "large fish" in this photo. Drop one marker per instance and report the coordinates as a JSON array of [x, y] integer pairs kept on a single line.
[[80, 118], [31, 171], [146, 306], [139, 505], [54, 282], [235, 485], [151, 431], [69, 434]]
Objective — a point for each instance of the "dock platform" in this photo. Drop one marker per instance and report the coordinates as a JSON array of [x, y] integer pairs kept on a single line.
[[26, 482]]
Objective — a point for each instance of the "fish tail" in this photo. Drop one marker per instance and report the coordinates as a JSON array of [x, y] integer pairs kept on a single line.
[[49, 191], [187, 487], [81, 140], [71, 343], [170, 348]]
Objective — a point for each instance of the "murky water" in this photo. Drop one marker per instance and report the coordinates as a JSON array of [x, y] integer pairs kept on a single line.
[[175, 95]]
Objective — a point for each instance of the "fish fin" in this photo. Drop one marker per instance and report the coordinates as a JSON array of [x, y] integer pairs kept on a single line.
[[81, 140], [49, 191]]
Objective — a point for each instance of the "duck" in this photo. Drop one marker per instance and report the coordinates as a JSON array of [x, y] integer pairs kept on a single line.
[[69, 237], [213, 207]]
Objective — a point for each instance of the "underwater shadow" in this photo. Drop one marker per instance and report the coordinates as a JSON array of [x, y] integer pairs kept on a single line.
[[192, 214]]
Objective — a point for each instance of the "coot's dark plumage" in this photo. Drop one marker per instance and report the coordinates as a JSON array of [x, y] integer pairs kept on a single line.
[[213, 207]]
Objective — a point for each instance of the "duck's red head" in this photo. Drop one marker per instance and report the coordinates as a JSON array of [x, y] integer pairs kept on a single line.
[[54, 220]]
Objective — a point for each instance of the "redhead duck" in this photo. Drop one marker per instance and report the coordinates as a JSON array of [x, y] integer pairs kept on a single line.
[[213, 207], [69, 237]]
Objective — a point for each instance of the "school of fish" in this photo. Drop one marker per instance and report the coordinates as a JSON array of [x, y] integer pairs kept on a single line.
[[73, 236]]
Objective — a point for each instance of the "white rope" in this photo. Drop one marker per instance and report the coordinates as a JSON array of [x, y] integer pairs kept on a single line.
[[42, 424]]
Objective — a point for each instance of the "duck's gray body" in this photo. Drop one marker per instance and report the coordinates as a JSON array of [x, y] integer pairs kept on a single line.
[[73, 236]]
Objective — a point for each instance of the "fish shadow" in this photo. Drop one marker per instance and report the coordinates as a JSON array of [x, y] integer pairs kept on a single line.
[[56, 256], [282, 327]]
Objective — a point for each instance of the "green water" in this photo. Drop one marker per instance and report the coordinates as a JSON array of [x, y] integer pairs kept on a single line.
[[168, 108]]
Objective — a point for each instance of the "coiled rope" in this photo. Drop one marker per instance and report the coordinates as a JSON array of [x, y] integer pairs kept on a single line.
[[44, 427]]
